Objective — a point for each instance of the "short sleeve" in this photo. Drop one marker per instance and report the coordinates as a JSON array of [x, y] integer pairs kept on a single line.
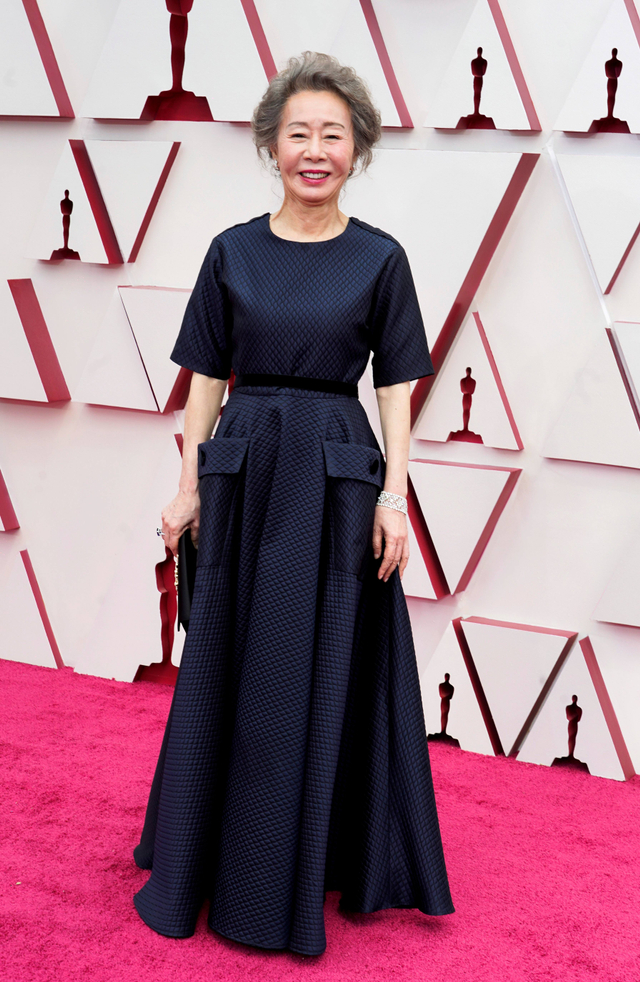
[[399, 343], [204, 341]]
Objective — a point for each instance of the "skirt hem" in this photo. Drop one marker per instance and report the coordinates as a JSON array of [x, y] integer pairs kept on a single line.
[[407, 906], [165, 934], [267, 947]]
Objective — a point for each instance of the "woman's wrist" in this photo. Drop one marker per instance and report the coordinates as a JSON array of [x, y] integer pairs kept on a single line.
[[397, 502], [396, 487], [188, 488]]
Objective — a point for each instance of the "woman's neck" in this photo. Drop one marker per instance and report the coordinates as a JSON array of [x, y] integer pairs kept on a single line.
[[302, 223]]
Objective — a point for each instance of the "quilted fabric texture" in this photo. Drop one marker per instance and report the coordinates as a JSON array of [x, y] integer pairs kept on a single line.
[[294, 759], [316, 309]]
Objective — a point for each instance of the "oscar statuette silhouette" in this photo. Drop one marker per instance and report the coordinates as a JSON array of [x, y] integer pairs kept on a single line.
[[465, 435], [445, 691], [177, 102], [610, 123], [574, 715], [164, 671], [476, 120], [66, 207]]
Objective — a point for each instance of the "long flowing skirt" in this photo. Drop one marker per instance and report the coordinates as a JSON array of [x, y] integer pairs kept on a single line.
[[295, 758]]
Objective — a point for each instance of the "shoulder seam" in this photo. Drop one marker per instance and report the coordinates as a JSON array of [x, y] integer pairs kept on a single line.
[[374, 231], [249, 221]]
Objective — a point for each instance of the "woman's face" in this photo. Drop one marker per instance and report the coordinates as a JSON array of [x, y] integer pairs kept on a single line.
[[315, 149]]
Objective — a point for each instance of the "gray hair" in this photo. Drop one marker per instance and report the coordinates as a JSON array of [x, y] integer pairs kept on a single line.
[[316, 72]]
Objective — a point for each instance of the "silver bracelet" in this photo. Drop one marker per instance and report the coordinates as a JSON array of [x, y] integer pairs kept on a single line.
[[395, 501]]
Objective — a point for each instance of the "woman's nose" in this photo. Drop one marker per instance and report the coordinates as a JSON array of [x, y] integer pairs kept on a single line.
[[314, 147]]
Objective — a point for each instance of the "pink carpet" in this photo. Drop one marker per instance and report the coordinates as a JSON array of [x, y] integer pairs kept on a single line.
[[544, 864]]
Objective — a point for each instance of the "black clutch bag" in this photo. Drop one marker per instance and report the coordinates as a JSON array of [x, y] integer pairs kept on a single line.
[[186, 576]]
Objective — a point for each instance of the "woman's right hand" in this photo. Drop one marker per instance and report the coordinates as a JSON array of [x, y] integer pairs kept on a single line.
[[181, 513]]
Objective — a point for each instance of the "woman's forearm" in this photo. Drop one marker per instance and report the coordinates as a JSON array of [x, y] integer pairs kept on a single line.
[[395, 417], [202, 409]]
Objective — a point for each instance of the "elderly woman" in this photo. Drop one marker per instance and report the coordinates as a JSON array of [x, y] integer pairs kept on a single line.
[[295, 758]]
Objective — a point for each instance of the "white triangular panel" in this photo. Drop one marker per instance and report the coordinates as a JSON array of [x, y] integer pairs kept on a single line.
[[155, 316], [24, 86], [513, 664], [443, 410], [587, 99], [597, 423], [548, 737], [47, 233], [627, 338], [128, 173], [338, 29], [441, 206], [123, 80], [117, 645], [114, 374], [457, 502], [416, 580], [465, 719], [618, 654], [19, 377], [620, 602], [22, 634], [605, 193], [500, 97], [222, 61]]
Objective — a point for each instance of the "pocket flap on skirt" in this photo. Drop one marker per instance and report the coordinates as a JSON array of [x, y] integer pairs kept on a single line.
[[222, 456], [353, 460]]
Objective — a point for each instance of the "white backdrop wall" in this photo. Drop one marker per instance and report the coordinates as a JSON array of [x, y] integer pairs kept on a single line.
[[546, 535]]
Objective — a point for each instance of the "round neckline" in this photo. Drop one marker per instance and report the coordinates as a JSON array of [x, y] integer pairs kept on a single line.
[[311, 242]]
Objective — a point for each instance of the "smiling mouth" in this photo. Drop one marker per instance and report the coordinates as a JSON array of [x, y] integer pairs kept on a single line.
[[314, 175]]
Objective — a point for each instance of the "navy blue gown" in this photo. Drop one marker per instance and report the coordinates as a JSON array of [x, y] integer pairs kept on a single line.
[[295, 758]]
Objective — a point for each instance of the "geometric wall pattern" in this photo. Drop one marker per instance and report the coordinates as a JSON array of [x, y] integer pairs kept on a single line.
[[8, 518], [503, 98], [136, 632], [491, 419], [114, 187], [32, 83], [524, 499], [33, 372], [587, 98], [599, 421], [599, 742], [458, 506], [154, 315], [605, 193], [229, 55], [223, 64], [620, 600], [27, 632], [129, 365], [542, 669], [348, 29]]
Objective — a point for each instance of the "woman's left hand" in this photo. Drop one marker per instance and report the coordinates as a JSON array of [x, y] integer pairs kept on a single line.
[[391, 526]]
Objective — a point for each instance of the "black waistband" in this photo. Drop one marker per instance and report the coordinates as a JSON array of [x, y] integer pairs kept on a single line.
[[298, 382]]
